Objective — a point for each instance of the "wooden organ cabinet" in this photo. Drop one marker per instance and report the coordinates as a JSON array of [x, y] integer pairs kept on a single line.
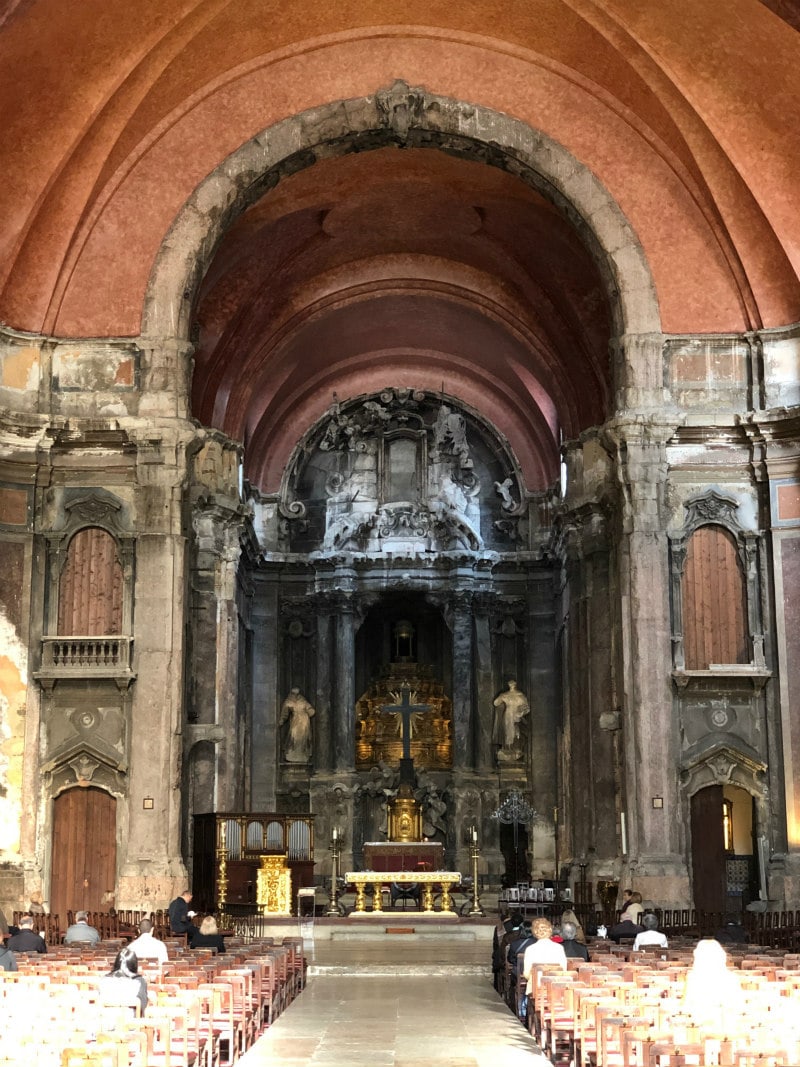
[[229, 846]]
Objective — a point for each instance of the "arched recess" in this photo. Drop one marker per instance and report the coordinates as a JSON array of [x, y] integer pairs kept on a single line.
[[84, 851], [707, 774], [401, 116]]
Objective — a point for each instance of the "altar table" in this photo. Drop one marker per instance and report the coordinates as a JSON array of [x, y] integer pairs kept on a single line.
[[378, 879]]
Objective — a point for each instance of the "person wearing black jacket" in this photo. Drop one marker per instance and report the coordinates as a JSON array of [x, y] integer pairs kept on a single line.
[[180, 918], [27, 940]]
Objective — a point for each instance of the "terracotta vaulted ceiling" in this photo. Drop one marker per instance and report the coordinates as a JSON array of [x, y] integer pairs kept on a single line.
[[408, 267]]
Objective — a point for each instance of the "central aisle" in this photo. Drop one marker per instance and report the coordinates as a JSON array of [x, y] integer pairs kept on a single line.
[[436, 1008]]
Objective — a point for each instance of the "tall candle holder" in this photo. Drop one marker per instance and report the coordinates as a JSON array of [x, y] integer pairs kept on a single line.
[[334, 908], [474, 853], [222, 868]]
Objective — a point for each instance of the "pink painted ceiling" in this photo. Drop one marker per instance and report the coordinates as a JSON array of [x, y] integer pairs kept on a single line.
[[398, 265]]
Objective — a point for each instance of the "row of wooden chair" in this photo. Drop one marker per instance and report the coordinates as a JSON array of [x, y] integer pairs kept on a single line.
[[604, 1014], [204, 1009]]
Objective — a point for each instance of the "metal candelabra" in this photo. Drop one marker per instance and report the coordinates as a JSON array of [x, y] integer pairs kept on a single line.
[[474, 853], [515, 811], [336, 851]]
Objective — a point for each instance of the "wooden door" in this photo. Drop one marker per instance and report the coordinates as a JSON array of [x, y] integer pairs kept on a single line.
[[708, 850], [84, 859]]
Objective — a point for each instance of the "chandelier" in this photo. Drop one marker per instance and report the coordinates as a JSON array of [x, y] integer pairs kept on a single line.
[[515, 809]]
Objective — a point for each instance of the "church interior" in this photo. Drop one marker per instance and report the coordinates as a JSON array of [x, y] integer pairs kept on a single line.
[[399, 420]]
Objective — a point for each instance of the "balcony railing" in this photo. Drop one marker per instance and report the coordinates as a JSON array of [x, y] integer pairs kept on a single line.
[[73, 656]]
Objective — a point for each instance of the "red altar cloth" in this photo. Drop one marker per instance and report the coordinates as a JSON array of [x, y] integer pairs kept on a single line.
[[403, 856]]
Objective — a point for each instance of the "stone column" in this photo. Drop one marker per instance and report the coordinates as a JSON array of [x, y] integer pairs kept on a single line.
[[344, 710], [264, 733], [543, 717], [323, 752], [591, 774], [653, 835], [484, 681], [151, 869], [463, 734], [215, 650]]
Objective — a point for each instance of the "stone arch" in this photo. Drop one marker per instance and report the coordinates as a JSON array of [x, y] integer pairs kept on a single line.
[[726, 764], [399, 116]]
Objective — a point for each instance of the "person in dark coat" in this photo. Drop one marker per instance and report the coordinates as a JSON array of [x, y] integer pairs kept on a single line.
[[27, 940], [180, 918], [573, 949]]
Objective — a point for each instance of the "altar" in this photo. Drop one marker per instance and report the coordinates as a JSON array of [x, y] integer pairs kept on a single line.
[[403, 855], [427, 879]]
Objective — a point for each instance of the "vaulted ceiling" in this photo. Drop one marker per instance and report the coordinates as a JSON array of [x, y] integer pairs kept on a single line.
[[408, 267]]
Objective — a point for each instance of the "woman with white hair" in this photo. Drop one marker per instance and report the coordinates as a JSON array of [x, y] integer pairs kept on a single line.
[[712, 995]]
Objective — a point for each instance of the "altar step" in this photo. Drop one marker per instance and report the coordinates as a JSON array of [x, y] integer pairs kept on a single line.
[[385, 970]]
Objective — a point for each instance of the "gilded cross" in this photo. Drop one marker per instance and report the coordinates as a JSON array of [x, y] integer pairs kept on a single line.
[[406, 709]]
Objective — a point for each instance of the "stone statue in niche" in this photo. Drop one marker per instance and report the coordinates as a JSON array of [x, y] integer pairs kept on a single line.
[[299, 713], [503, 490], [511, 707], [450, 436]]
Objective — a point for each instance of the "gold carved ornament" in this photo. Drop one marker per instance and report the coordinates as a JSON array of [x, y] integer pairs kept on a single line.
[[380, 735]]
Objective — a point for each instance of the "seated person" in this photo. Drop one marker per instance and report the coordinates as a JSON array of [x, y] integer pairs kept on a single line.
[[123, 986], [573, 949], [651, 935], [209, 936], [8, 961], [569, 916], [27, 940], [631, 907], [543, 950], [630, 917], [180, 918], [81, 930], [146, 945]]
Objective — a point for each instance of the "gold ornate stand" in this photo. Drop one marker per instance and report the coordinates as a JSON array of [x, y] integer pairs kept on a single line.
[[274, 886], [336, 850]]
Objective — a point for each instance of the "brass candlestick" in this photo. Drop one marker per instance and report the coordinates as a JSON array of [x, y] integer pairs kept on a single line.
[[474, 852], [222, 868], [336, 851]]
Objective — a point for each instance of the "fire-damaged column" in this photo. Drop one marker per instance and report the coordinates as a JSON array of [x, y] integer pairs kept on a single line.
[[778, 436], [218, 521], [650, 837], [344, 707], [591, 717]]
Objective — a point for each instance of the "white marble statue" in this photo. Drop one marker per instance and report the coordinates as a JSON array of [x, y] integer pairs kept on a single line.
[[299, 712], [511, 707]]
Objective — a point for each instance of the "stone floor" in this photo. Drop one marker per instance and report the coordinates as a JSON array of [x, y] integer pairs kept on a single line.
[[402, 1000]]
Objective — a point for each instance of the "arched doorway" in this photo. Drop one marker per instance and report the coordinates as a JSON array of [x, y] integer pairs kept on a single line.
[[725, 798], [84, 863]]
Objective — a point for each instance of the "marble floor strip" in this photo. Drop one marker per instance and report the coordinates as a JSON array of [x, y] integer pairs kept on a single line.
[[351, 1014]]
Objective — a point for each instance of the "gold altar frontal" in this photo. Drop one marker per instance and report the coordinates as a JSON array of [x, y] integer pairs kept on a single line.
[[427, 879], [274, 886]]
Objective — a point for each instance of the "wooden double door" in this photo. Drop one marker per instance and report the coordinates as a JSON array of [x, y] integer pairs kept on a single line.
[[84, 854]]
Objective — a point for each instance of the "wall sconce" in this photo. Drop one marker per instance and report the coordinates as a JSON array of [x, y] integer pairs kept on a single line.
[[148, 803], [658, 802]]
